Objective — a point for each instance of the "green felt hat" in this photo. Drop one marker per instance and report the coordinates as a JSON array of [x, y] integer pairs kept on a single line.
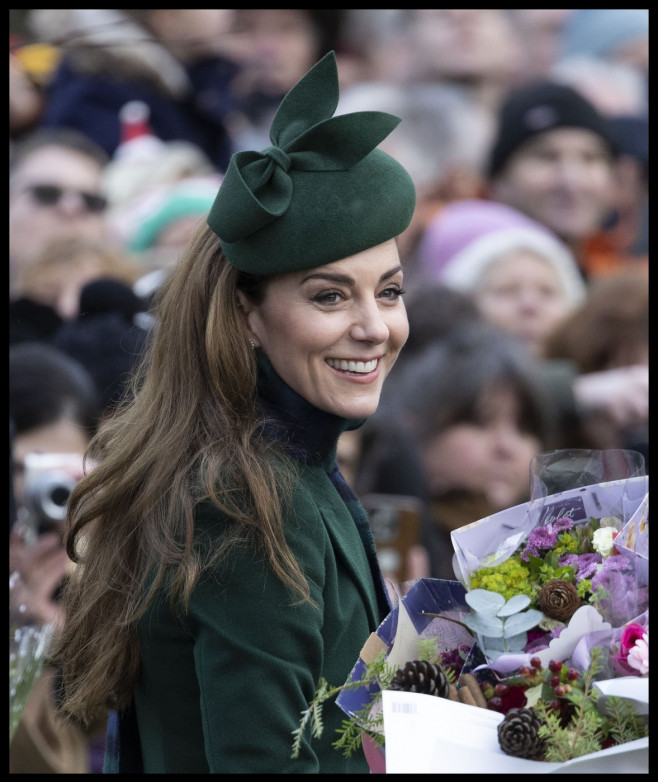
[[320, 193]]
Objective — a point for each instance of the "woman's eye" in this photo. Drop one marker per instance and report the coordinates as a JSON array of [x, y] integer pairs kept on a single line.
[[328, 297], [393, 292]]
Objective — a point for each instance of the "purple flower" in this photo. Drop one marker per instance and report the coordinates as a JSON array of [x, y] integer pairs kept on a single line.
[[561, 524], [611, 578], [585, 565], [540, 539], [617, 593], [535, 633], [618, 563], [545, 538]]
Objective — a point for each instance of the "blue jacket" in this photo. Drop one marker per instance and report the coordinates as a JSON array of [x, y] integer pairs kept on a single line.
[[90, 103]]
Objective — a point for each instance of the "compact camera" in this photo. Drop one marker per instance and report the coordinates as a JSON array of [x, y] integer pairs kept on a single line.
[[49, 481]]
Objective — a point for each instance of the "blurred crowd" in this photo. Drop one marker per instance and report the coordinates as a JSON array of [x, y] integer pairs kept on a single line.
[[526, 263]]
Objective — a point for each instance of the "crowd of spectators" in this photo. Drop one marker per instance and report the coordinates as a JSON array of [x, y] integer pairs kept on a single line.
[[526, 134]]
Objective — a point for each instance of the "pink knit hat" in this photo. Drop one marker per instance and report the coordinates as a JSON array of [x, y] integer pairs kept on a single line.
[[467, 235]]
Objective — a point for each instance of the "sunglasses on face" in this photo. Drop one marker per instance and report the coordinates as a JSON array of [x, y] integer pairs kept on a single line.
[[50, 195]]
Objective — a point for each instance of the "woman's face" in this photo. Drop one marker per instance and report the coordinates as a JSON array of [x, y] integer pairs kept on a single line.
[[522, 293], [490, 455], [334, 332]]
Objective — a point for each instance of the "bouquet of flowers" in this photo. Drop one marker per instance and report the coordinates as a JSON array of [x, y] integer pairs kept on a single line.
[[538, 653]]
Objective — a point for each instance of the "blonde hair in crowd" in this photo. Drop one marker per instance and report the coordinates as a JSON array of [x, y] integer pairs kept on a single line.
[[188, 431]]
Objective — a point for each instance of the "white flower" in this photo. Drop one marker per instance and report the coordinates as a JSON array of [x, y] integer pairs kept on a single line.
[[638, 656], [602, 540]]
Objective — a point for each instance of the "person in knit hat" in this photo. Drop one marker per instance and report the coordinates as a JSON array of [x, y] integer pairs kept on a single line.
[[179, 62], [224, 566], [552, 159], [524, 280], [521, 277]]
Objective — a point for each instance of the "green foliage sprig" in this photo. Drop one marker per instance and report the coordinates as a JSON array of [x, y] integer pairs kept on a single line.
[[588, 728], [377, 672], [370, 718]]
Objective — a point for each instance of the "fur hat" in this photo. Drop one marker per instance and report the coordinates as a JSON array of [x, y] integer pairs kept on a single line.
[[539, 107], [466, 236], [320, 193]]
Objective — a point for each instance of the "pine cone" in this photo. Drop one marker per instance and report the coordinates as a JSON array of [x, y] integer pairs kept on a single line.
[[559, 600], [517, 734], [421, 676]]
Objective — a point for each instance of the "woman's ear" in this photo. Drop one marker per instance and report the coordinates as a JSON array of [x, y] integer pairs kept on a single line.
[[248, 310], [243, 302]]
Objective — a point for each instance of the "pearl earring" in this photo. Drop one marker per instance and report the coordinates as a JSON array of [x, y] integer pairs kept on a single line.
[[253, 344]]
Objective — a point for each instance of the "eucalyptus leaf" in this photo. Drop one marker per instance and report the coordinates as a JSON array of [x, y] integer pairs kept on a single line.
[[515, 643], [491, 642], [484, 601], [520, 623], [485, 625], [514, 605]]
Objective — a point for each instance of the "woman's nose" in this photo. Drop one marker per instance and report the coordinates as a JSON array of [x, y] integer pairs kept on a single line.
[[369, 324]]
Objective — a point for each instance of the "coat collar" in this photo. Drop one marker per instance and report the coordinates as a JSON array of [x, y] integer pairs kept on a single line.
[[310, 434]]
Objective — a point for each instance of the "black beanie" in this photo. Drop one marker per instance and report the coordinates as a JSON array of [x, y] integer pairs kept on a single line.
[[538, 107]]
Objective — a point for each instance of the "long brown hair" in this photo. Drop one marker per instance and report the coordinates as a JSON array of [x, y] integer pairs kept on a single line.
[[188, 432]]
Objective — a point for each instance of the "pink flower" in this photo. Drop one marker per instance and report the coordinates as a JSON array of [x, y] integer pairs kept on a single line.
[[630, 660], [638, 657]]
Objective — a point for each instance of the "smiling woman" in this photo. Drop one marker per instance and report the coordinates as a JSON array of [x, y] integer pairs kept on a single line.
[[336, 331], [223, 565]]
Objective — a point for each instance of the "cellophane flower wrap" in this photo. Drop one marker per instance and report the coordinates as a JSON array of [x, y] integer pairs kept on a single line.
[[578, 549], [28, 647], [578, 552], [583, 540]]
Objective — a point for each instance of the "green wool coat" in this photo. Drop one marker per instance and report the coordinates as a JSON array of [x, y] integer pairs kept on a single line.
[[223, 688]]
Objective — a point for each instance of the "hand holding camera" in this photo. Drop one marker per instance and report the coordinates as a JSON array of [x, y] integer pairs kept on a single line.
[[48, 483]]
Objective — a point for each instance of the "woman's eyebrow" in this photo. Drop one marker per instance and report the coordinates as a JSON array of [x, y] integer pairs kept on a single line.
[[339, 278], [345, 279]]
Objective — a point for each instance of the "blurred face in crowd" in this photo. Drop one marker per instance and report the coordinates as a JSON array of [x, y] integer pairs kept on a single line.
[[522, 293], [191, 33], [333, 332], [55, 192], [489, 454], [283, 45], [563, 178], [540, 35], [464, 44]]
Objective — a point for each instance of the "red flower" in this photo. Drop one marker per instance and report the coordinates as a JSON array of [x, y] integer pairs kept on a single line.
[[514, 698]]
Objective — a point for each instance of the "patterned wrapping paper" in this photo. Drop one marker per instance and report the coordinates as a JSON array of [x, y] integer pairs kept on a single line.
[[407, 623]]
